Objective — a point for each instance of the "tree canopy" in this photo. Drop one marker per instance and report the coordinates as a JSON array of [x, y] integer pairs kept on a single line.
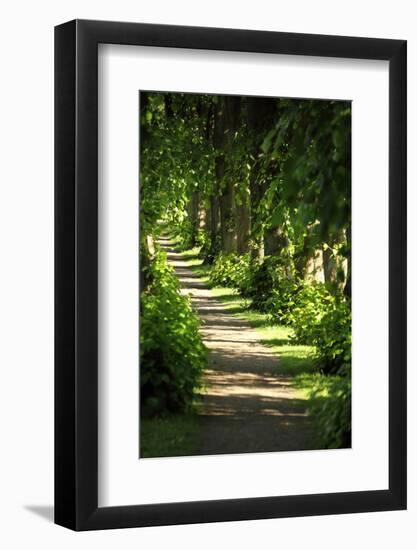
[[249, 174]]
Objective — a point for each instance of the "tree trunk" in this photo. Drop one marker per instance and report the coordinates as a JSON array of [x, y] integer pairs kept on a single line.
[[257, 241], [260, 114], [144, 261], [212, 224], [226, 120], [243, 227], [193, 215], [336, 267], [227, 220], [348, 286], [202, 218], [307, 261], [147, 252], [313, 270], [274, 241], [329, 266]]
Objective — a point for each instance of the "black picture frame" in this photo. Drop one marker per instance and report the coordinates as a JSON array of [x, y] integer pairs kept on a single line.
[[76, 272]]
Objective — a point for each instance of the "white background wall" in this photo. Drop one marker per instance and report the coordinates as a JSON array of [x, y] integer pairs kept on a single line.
[[26, 271]]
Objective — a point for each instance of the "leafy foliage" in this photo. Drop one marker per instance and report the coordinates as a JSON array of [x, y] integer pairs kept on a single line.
[[174, 156], [323, 319], [231, 270], [312, 139], [272, 288], [188, 237], [171, 351], [330, 406]]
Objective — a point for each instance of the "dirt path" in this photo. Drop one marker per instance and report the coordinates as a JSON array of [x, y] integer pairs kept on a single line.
[[248, 406]]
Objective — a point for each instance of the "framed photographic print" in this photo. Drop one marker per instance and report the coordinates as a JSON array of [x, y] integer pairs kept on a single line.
[[230, 275]]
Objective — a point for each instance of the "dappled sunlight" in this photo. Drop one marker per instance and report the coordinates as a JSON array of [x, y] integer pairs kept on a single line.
[[240, 393], [248, 402]]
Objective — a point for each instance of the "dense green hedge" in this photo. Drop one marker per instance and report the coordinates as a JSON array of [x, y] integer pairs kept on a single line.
[[323, 319], [172, 354]]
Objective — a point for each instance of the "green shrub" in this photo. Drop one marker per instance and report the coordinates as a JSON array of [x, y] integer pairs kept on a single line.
[[272, 287], [188, 236], [267, 284], [330, 408], [323, 319], [172, 354], [231, 270], [184, 234]]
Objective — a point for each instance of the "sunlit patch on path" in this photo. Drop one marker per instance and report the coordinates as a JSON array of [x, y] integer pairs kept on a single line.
[[248, 405]]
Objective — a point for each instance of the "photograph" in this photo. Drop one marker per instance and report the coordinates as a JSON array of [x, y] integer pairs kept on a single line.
[[245, 274], [209, 265]]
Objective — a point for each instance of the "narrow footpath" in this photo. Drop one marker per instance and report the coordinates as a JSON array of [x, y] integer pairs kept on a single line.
[[248, 405]]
